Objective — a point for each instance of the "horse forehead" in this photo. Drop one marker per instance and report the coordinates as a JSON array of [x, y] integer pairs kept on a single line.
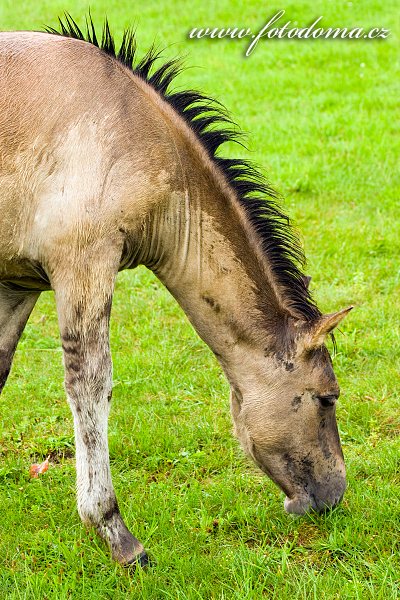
[[315, 367], [322, 368]]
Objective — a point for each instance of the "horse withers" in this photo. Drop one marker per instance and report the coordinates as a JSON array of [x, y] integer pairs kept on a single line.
[[102, 168]]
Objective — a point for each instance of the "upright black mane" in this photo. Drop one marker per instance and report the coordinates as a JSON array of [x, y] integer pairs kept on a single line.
[[209, 120]]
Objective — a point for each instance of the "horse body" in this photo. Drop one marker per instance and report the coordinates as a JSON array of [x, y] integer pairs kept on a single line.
[[66, 147], [99, 173]]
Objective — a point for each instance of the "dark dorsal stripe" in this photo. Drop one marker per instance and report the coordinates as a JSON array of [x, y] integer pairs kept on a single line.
[[212, 125]]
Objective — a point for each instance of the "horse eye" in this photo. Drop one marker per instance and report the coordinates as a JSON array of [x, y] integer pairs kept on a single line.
[[327, 401]]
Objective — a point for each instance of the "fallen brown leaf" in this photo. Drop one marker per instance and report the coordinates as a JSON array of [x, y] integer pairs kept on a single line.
[[37, 469]]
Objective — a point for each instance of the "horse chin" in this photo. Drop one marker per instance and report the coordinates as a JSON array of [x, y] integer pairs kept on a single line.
[[298, 505]]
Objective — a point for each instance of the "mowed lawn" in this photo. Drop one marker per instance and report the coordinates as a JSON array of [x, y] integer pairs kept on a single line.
[[323, 123]]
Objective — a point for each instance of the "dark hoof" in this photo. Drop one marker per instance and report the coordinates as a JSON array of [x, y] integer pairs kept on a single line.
[[141, 560]]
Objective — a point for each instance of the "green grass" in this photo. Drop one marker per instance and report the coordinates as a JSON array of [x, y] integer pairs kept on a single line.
[[325, 129]]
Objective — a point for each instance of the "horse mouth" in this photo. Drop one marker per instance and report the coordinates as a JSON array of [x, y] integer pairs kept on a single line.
[[301, 505], [297, 506]]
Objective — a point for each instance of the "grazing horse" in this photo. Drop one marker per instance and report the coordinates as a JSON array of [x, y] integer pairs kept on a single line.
[[103, 168]]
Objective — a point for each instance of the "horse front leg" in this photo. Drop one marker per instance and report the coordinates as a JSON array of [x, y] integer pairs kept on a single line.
[[15, 308], [83, 300]]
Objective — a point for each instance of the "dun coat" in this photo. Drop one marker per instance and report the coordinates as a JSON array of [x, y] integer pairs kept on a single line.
[[103, 168]]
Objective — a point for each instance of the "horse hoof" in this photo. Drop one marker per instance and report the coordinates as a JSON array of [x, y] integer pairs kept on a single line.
[[141, 560]]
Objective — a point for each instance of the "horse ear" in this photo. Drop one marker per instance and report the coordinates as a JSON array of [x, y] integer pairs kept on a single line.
[[324, 325], [306, 280]]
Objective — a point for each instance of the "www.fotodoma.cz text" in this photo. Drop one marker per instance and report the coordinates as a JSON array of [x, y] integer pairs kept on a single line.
[[287, 31]]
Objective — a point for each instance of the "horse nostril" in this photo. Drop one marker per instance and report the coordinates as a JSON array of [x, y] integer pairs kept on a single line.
[[338, 499]]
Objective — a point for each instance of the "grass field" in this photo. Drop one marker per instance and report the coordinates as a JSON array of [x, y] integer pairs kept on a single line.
[[323, 122]]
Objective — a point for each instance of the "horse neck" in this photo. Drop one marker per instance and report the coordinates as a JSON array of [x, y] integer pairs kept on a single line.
[[203, 250]]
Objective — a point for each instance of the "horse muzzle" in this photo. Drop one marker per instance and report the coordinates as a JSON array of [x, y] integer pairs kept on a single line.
[[316, 500]]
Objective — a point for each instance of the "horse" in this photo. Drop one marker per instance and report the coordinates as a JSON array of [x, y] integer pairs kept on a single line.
[[103, 167]]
